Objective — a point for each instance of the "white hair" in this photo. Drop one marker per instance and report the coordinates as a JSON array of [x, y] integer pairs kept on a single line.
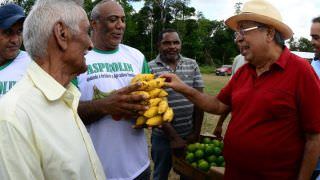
[[38, 26]]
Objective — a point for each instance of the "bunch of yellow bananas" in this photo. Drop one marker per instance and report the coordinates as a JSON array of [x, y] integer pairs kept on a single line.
[[159, 110]]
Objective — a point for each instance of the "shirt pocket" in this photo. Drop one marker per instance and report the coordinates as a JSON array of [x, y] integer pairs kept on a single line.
[[282, 103]]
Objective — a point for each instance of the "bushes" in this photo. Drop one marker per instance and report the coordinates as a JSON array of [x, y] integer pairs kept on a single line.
[[206, 69]]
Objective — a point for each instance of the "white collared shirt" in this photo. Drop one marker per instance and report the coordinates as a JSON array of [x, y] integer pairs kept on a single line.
[[41, 134]]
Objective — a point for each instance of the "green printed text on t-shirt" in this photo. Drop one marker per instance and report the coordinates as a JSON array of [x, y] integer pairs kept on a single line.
[[5, 86], [109, 67]]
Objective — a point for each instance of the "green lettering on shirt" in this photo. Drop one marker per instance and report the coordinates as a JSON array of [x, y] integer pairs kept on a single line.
[[95, 67], [11, 84], [5, 86], [129, 67], [89, 70], [115, 66], [101, 67], [109, 67], [120, 67]]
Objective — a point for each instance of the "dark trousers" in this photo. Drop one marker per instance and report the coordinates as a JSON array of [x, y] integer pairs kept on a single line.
[[161, 156]]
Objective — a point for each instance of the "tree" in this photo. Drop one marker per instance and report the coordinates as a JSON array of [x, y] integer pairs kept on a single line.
[[303, 44], [237, 7]]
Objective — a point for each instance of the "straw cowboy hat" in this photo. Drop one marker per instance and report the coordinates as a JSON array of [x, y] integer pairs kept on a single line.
[[263, 12]]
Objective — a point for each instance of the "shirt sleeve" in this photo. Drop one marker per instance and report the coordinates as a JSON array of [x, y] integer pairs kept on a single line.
[[309, 100], [17, 159], [197, 78], [145, 67]]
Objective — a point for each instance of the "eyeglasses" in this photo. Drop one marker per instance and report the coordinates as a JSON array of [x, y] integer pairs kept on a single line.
[[243, 32]]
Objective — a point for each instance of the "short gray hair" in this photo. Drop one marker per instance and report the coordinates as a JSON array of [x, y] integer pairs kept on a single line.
[[278, 38], [38, 25], [95, 13]]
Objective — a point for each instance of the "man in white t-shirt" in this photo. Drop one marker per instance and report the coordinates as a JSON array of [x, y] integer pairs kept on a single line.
[[13, 61], [122, 150]]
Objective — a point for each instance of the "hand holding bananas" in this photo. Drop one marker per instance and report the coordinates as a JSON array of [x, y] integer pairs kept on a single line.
[[120, 103], [159, 110]]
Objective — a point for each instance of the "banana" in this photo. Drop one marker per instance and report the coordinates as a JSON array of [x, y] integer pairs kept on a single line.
[[142, 77], [154, 93], [168, 115], [160, 82], [154, 121], [152, 111], [163, 93], [159, 110], [154, 102], [152, 84], [141, 120], [97, 94], [163, 106]]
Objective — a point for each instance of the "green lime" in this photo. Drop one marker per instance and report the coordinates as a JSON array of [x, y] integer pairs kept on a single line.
[[190, 157], [204, 166], [211, 158], [219, 160], [197, 145], [209, 150], [213, 164], [202, 146], [217, 151], [191, 148], [201, 160], [206, 140], [216, 142], [199, 154], [194, 164]]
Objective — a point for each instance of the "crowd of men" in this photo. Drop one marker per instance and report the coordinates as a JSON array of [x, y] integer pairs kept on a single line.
[[52, 128]]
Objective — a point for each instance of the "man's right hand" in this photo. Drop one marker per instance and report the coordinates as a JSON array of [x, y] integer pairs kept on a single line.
[[121, 103], [174, 82]]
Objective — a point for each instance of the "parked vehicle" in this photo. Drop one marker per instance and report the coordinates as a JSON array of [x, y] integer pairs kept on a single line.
[[224, 70]]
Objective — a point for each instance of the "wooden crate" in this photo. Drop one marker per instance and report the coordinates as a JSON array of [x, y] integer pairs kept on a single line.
[[181, 167]]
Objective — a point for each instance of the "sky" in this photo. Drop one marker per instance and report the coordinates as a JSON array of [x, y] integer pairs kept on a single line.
[[295, 13]]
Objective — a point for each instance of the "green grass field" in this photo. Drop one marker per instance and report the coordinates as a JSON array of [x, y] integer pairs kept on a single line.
[[213, 85]]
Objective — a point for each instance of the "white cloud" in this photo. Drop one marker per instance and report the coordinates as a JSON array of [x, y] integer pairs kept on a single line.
[[296, 13]]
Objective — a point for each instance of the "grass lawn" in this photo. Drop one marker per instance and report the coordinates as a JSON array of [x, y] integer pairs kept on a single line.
[[213, 84]]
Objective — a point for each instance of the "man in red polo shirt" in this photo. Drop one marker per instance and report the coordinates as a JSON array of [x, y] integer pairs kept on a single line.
[[274, 101]]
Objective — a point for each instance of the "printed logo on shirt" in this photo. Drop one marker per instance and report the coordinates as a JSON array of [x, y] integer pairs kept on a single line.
[[109, 70], [5, 86], [109, 67]]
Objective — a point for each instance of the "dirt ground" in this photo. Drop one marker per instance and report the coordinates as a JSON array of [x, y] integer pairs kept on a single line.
[[213, 84]]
